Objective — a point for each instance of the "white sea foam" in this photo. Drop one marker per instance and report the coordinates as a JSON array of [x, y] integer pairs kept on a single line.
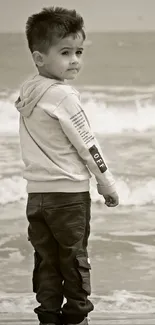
[[107, 112], [134, 233], [118, 89], [124, 301], [118, 301], [109, 119], [9, 118], [130, 194], [13, 189], [143, 249], [146, 250]]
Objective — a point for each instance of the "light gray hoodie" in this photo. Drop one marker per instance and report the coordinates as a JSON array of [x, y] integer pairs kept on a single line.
[[58, 147]]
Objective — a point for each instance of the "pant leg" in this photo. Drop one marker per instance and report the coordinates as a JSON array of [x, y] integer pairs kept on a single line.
[[47, 278], [69, 221]]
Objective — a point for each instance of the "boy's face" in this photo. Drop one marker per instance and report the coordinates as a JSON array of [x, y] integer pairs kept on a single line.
[[64, 59]]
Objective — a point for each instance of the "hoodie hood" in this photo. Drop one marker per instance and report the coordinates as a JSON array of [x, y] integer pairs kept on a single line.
[[31, 92]]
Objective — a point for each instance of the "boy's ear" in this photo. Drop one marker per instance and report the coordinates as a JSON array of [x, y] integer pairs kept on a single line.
[[38, 58]]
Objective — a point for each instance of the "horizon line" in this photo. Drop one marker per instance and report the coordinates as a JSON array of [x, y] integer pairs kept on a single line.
[[96, 31]]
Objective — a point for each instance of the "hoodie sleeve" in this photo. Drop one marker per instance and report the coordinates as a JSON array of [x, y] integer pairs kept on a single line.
[[76, 126]]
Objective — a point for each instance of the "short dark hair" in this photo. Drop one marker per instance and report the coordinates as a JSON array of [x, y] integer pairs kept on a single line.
[[43, 28]]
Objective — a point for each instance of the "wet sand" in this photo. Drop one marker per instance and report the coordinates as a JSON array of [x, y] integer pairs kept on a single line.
[[122, 254], [121, 258], [96, 319]]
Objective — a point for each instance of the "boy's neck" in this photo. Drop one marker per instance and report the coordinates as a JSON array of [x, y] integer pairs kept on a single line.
[[45, 74]]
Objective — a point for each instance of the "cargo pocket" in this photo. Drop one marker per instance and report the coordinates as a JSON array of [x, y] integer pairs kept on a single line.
[[35, 282], [84, 271]]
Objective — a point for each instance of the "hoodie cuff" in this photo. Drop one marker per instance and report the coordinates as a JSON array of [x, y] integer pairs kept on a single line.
[[106, 190]]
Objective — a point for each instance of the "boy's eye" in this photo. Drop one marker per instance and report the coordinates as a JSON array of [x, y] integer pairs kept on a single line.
[[65, 53], [79, 52]]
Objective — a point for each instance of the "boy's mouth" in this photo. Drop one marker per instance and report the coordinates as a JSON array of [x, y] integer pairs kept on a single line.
[[73, 69]]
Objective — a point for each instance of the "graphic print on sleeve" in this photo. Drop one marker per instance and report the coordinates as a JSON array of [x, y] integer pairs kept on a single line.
[[79, 120], [98, 159]]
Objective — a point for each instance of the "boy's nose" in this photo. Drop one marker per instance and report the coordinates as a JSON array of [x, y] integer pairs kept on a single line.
[[74, 59]]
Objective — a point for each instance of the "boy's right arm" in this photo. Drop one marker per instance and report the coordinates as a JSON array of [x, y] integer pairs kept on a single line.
[[76, 126]]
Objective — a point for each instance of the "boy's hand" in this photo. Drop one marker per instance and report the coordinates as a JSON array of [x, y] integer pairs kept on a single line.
[[111, 200]]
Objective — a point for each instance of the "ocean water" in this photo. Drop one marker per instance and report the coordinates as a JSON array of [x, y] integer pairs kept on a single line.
[[117, 89]]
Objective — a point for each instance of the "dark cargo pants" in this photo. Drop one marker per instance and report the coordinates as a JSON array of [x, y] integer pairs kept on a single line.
[[59, 227]]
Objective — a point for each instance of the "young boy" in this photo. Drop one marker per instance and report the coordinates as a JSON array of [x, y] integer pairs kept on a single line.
[[58, 149]]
